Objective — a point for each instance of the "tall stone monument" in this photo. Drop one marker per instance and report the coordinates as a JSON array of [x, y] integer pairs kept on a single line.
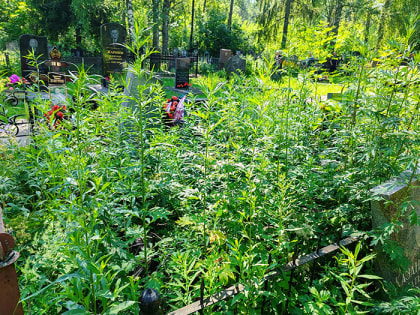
[[405, 188], [114, 54]]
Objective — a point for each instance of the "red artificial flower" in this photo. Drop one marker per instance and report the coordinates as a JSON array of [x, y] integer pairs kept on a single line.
[[64, 107], [59, 114], [173, 108], [170, 115], [174, 98], [168, 100], [50, 112], [175, 103], [55, 107]]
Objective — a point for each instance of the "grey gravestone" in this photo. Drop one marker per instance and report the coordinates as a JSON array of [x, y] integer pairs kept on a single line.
[[37, 44], [183, 53], [12, 46], [225, 54], [171, 60], [393, 193], [152, 113], [113, 39], [236, 65], [206, 56], [182, 73]]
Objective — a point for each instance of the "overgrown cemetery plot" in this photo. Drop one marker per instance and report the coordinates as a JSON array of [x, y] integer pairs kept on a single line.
[[258, 193]]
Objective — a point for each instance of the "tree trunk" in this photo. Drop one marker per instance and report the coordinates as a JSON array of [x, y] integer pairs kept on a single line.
[[337, 20], [130, 19], [155, 17], [367, 26], [165, 23], [192, 24], [78, 37], [286, 23], [230, 15], [381, 26], [204, 6]]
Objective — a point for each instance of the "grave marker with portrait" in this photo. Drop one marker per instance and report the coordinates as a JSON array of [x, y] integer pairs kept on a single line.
[[37, 45], [113, 39]]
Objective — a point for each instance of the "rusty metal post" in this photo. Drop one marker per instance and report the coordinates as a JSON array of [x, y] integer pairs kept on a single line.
[[7, 61], [9, 288], [150, 302]]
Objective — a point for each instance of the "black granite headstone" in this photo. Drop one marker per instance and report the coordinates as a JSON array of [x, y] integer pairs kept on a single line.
[[113, 38], [37, 44], [182, 73], [77, 52], [155, 59]]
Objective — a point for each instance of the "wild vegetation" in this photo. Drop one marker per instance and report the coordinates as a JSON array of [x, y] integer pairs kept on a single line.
[[105, 203]]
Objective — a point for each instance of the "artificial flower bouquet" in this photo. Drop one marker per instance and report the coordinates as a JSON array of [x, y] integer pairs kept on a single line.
[[15, 82], [184, 85], [55, 116], [173, 111]]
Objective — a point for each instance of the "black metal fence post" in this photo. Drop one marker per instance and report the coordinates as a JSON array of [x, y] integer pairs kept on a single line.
[[295, 256], [150, 302], [7, 61], [266, 285], [314, 263]]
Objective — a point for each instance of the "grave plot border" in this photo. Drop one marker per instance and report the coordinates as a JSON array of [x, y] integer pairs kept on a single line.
[[233, 290]]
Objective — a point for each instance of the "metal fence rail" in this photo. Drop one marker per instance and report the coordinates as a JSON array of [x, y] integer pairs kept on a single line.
[[239, 288]]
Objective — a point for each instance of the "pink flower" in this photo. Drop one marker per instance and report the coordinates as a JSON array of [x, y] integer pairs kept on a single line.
[[10, 88], [14, 78]]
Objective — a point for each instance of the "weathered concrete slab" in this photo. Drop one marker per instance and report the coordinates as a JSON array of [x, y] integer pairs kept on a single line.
[[393, 193]]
